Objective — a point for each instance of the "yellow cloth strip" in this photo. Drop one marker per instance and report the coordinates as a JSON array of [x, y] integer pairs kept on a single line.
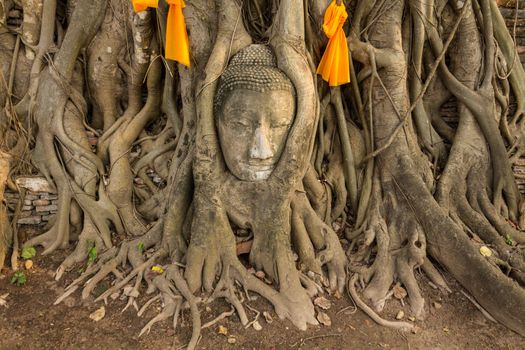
[[177, 43], [141, 5], [334, 66]]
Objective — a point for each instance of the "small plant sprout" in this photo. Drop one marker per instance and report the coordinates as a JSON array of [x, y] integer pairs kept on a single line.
[[92, 254], [28, 253], [19, 278], [509, 240]]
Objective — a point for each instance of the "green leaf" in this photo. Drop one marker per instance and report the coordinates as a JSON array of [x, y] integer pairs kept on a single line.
[[140, 247], [28, 252], [509, 240], [92, 255], [19, 278]]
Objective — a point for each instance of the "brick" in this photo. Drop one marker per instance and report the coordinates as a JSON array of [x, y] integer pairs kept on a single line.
[[32, 220], [28, 202], [25, 214], [41, 202], [27, 208], [55, 202], [50, 217], [47, 208], [31, 197], [48, 196]]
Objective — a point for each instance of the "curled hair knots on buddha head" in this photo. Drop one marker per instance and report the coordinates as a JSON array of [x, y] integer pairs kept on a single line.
[[253, 68]]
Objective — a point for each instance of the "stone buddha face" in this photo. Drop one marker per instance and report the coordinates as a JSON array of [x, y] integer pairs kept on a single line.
[[253, 127], [255, 112]]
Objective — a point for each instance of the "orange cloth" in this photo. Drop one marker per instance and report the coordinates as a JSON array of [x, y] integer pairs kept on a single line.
[[141, 5], [334, 66], [177, 43]]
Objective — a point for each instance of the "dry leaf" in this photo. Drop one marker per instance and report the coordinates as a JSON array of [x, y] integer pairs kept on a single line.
[[232, 340], [268, 317], [159, 270], [399, 292], [400, 315], [3, 301], [324, 319], [222, 330], [28, 264], [257, 326], [323, 303], [485, 251], [98, 314]]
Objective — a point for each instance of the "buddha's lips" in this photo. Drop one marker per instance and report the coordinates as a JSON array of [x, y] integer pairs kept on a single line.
[[259, 167], [257, 172]]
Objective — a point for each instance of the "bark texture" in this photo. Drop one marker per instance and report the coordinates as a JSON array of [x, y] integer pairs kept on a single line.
[[372, 167]]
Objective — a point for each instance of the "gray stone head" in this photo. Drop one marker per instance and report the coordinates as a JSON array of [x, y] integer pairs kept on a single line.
[[254, 108]]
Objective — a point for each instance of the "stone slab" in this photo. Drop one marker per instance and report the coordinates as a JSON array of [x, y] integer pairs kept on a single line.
[[37, 184]]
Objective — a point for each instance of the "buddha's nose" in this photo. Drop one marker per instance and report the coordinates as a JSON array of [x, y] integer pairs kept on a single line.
[[261, 147]]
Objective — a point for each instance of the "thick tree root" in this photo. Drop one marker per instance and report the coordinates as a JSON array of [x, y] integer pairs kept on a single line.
[[175, 292]]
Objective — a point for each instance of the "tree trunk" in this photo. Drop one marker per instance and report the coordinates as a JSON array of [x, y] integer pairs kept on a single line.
[[188, 173]]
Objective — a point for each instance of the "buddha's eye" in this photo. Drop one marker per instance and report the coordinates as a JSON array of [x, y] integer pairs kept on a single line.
[[240, 123]]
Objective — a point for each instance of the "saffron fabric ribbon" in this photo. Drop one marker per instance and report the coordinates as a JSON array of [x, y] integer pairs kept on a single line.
[[177, 43], [335, 66]]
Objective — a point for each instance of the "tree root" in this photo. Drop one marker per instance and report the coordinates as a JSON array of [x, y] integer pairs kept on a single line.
[[191, 249], [403, 326], [58, 235], [290, 302], [221, 317], [310, 234]]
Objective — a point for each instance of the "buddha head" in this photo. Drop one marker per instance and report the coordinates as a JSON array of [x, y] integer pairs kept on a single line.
[[255, 109]]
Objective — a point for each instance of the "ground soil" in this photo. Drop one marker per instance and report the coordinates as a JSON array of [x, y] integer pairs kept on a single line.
[[30, 321]]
